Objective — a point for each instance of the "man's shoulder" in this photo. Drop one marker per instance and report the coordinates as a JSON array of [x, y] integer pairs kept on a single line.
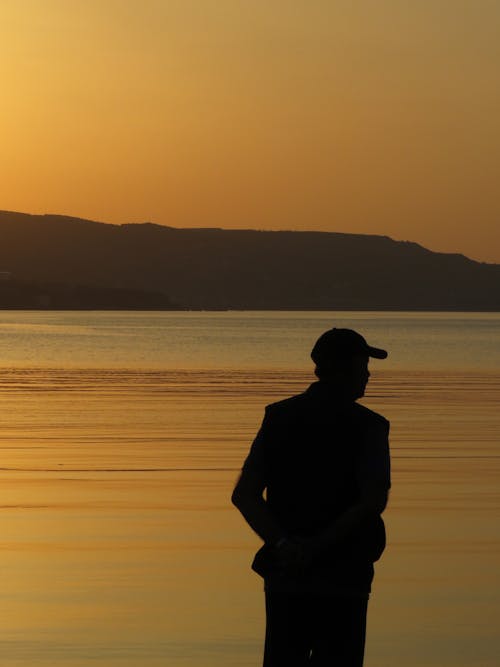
[[305, 401], [286, 405], [370, 416], [304, 405]]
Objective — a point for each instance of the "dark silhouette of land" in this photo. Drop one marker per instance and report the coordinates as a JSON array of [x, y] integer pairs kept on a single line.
[[244, 269], [16, 294]]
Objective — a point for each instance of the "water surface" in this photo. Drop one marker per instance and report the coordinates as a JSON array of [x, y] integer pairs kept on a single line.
[[121, 438]]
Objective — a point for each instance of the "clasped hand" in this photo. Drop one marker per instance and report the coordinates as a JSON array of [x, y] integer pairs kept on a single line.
[[295, 555]]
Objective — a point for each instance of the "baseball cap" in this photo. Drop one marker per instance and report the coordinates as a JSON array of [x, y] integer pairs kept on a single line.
[[343, 343]]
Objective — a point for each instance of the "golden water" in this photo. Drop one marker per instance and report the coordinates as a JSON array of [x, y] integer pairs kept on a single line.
[[119, 545]]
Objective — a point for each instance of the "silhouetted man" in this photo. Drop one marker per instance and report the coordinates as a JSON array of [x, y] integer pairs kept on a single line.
[[323, 462]]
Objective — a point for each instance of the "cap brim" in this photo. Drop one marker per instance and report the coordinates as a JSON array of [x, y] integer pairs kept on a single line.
[[377, 353]]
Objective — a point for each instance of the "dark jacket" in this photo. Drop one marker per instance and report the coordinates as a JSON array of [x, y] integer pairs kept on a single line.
[[317, 456]]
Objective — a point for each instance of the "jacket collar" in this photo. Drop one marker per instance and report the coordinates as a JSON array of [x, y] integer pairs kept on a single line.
[[329, 393]]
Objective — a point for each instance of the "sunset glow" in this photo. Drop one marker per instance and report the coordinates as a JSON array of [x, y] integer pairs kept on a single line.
[[366, 117]]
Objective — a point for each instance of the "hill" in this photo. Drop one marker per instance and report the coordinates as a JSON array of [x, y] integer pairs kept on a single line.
[[245, 269]]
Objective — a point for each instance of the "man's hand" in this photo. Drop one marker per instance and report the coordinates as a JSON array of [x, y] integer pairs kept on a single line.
[[295, 555], [289, 556]]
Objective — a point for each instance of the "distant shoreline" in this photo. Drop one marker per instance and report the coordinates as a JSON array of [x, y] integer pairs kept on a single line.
[[252, 310]]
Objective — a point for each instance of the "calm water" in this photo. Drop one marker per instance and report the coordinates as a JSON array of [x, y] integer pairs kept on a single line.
[[121, 438]]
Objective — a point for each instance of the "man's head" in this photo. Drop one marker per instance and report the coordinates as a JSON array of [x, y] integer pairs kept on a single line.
[[341, 357]]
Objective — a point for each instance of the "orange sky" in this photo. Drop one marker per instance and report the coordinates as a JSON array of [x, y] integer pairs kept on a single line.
[[357, 116]]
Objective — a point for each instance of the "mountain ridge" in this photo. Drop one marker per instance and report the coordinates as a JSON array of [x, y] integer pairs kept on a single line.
[[215, 268]]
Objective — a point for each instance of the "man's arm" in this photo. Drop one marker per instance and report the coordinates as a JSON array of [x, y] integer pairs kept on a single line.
[[373, 478], [248, 498], [368, 506], [248, 495]]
